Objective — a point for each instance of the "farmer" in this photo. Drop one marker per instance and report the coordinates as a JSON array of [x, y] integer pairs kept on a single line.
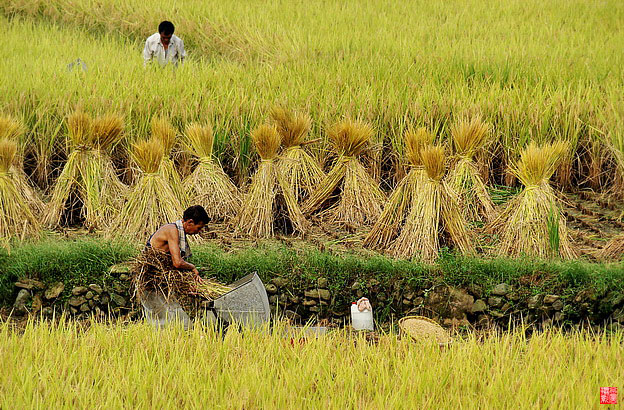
[[167, 250], [164, 46]]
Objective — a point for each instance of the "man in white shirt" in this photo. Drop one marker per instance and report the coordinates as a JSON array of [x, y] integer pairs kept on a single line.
[[164, 47]]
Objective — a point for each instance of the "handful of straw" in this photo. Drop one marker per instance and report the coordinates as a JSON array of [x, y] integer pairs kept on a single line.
[[153, 271]]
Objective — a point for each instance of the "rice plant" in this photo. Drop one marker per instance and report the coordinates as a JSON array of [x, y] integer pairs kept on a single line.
[[208, 185], [151, 202], [88, 183], [524, 226], [358, 201], [270, 201], [285, 369]]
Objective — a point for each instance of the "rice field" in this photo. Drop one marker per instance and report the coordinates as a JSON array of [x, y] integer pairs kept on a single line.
[[52, 365], [475, 73]]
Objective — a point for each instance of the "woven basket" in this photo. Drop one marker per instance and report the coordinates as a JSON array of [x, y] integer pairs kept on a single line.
[[422, 328]]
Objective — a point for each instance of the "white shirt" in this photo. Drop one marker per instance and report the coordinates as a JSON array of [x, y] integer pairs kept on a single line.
[[154, 49]]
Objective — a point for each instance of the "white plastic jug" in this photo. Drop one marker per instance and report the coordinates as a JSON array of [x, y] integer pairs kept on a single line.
[[361, 320]]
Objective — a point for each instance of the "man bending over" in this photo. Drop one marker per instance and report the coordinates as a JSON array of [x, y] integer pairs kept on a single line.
[[164, 46]]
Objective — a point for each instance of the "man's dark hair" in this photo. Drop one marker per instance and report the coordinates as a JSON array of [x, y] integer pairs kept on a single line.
[[197, 213], [166, 27]]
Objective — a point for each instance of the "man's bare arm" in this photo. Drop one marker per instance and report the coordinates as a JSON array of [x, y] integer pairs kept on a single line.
[[174, 249]]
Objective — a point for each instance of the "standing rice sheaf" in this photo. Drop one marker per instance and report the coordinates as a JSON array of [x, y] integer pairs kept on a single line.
[[360, 200], [208, 185], [471, 137], [398, 206], [532, 223], [166, 134], [17, 219], [152, 202], [435, 211], [88, 181], [301, 171], [269, 199]]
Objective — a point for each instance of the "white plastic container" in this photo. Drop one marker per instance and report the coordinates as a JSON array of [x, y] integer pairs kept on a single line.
[[361, 320]]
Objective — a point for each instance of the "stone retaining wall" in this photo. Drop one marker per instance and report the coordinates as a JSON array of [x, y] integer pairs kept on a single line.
[[472, 306]]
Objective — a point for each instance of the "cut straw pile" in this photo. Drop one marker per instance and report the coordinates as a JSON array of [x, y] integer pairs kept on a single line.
[[88, 180], [360, 200], [153, 271], [13, 130], [269, 200], [152, 202], [613, 250], [301, 171], [402, 198], [208, 184], [17, 220], [435, 210], [532, 223], [470, 138], [165, 134]]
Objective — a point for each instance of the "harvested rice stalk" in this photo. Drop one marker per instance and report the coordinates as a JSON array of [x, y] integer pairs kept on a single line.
[[17, 219], [88, 174], [301, 171], [13, 130], [208, 185], [151, 202], [153, 271], [360, 200], [435, 209], [400, 202], [613, 250], [532, 223], [269, 198], [163, 131], [470, 138]]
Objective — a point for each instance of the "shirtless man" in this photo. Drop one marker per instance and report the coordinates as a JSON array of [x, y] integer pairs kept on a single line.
[[171, 239]]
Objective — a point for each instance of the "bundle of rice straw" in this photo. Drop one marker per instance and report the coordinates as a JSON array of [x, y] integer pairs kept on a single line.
[[360, 200], [301, 171], [151, 202], [88, 181], [208, 185], [13, 130], [532, 223], [613, 250], [401, 200], [153, 271], [165, 133], [422, 328], [436, 209], [269, 200], [17, 219], [469, 139]]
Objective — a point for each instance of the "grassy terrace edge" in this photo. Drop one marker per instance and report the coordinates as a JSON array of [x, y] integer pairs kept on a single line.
[[83, 261]]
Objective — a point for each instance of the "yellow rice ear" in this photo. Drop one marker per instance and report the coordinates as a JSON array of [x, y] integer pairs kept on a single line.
[[267, 141], [10, 128], [107, 130], [199, 140], [350, 137], [163, 131], [80, 129], [8, 150], [415, 140], [148, 155], [433, 159], [292, 127]]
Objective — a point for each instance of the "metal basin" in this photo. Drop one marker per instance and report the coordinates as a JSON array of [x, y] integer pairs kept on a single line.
[[247, 303]]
